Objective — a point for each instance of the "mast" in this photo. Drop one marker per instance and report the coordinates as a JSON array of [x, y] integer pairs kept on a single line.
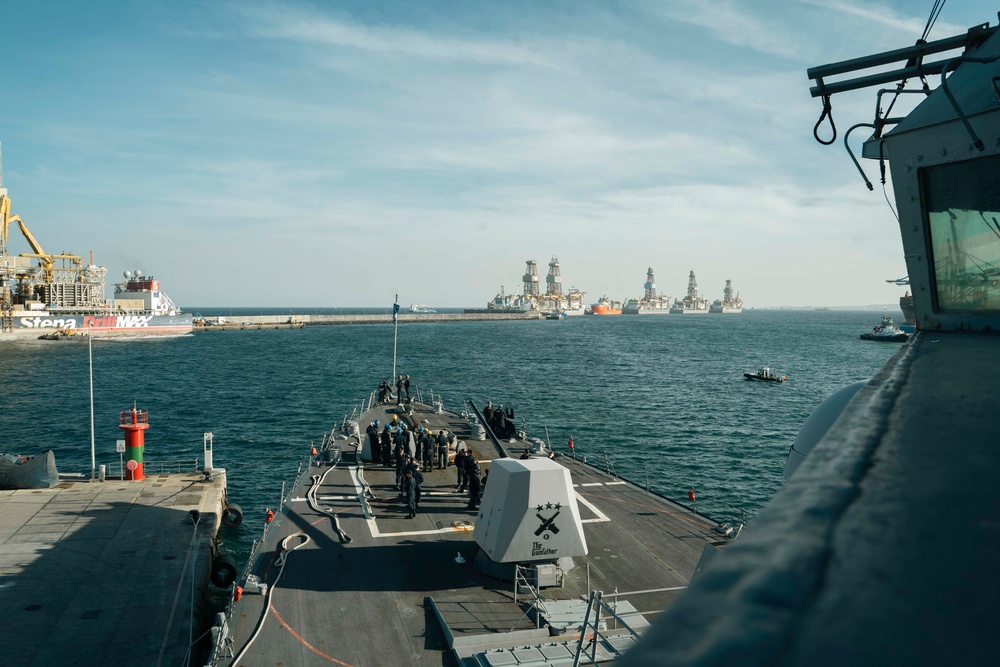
[[395, 329]]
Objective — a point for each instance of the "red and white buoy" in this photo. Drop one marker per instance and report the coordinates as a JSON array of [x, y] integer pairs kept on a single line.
[[134, 423]]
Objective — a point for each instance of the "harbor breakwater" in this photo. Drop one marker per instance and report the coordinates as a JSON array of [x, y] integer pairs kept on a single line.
[[295, 321]]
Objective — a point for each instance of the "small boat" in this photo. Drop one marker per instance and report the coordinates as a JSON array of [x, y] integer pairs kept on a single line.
[[886, 332], [28, 472], [765, 375], [556, 315], [58, 334]]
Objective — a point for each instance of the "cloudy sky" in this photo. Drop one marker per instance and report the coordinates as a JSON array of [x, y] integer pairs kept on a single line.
[[337, 153]]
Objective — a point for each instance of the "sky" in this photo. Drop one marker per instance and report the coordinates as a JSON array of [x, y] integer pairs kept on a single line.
[[335, 154]]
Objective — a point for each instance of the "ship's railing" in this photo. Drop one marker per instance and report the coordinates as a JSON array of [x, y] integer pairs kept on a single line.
[[521, 583], [156, 467], [591, 636]]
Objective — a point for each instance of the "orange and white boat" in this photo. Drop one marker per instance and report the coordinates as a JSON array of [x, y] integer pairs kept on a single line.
[[605, 306]]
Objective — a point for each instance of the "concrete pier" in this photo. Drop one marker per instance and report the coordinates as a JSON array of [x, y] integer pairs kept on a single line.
[[296, 321], [107, 573]]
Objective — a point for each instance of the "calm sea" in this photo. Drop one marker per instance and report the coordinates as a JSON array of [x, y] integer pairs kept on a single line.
[[663, 396]]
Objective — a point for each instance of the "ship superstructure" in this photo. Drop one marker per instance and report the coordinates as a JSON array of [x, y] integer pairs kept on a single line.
[[729, 303], [693, 303], [650, 303], [42, 292]]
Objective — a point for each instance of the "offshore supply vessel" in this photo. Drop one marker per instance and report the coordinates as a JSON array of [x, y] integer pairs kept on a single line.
[[52, 295]]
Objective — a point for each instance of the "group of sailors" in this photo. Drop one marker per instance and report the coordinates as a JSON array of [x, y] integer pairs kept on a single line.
[[402, 390], [500, 420], [413, 450]]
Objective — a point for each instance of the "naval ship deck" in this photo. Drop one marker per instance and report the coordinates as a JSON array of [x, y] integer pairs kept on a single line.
[[395, 595]]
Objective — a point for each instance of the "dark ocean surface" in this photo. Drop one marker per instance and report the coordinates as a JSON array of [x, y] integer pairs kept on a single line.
[[661, 395]]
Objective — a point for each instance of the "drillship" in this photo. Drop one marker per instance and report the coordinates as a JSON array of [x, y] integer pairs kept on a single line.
[[45, 294], [692, 303], [554, 302], [650, 303], [728, 303]]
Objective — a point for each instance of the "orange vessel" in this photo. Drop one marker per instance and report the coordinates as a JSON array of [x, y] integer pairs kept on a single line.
[[606, 307]]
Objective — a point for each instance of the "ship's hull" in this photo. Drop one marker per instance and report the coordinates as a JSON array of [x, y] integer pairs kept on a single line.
[[888, 338], [101, 325], [606, 310], [645, 310], [688, 311], [725, 309]]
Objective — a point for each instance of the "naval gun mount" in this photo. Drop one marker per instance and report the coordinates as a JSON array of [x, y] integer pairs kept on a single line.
[[529, 517]]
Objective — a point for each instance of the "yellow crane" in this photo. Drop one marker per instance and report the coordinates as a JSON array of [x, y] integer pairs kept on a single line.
[[46, 260]]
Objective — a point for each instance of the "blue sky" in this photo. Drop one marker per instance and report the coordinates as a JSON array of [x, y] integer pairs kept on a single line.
[[335, 154]]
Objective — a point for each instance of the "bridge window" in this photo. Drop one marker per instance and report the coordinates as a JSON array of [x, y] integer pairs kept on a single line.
[[963, 217]]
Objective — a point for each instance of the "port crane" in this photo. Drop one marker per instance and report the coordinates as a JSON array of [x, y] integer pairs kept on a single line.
[[46, 260]]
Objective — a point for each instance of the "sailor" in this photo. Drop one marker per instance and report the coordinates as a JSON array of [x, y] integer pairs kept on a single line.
[[400, 468], [475, 486], [418, 477], [411, 494], [406, 387], [460, 466], [373, 441], [526, 454], [427, 446], [386, 446], [399, 390], [442, 450], [488, 413]]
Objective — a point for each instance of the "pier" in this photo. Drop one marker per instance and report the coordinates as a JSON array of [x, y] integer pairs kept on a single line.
[[226, 323], [113, 572]]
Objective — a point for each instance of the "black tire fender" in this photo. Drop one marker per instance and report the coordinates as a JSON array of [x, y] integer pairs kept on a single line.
[[223, 571], [233, 516]]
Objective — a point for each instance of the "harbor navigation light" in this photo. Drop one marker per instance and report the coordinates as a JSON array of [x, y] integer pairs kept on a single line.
[[134, 423]]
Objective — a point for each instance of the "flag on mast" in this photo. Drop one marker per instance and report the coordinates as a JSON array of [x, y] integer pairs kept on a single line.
[[395, 309]]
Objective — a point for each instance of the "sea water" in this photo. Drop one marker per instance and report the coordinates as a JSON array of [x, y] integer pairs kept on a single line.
[[657, 398]]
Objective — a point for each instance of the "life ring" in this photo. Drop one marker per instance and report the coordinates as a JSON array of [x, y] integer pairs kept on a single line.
[[233, 516], [223, 571]]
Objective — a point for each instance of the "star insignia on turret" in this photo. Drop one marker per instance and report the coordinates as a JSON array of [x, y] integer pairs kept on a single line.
[[556, 506], [548, 506], [540, 508]]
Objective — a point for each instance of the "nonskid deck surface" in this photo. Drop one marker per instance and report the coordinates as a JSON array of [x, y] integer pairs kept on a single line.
[[367, 601]]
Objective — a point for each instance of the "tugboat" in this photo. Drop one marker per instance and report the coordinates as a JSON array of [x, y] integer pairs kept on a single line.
[[886, 332], [765, 375]]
